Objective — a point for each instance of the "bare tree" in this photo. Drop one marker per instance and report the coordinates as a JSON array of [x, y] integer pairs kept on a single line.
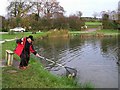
[[38, 8], [79, 14], [18, 9], [51, 7], [113, 15]]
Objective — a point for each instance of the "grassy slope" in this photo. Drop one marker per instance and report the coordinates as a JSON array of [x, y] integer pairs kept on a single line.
[[34, 77]]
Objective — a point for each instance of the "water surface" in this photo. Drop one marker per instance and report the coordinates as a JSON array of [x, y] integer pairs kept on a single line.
[[94, 58]]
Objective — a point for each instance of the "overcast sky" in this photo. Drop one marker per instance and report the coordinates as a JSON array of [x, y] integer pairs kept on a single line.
[[87, 7]]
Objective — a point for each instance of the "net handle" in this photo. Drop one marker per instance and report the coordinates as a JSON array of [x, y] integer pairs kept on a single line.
[[52, 61], [57, 64]]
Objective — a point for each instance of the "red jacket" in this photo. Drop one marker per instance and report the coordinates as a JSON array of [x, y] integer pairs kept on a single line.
[[18, 50]]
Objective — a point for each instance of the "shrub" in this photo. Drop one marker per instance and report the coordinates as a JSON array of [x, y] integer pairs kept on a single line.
[[4, 30]]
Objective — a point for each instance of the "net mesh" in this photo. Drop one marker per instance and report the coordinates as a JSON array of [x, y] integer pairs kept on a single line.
[[71, 72]]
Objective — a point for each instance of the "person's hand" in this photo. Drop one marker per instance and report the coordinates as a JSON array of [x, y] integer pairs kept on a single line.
[[21, 42], [37, 55]]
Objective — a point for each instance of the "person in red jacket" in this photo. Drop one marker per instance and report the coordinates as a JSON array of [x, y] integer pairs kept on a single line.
[[23, 50]]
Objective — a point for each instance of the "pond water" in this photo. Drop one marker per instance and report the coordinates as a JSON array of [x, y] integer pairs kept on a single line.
[[93, 58]]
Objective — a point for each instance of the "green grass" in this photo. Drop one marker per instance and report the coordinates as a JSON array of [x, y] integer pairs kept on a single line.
[[108, 32], [7, 45], [93, 24], [35, 76], [20, 35], [104, 32]]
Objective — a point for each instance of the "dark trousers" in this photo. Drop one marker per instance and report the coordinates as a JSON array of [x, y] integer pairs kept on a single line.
[[25, 56]]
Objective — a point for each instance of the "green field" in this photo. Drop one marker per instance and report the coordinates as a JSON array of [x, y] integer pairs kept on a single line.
[[93, 24]]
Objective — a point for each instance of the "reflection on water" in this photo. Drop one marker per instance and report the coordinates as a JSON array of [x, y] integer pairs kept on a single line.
[[94, 58]]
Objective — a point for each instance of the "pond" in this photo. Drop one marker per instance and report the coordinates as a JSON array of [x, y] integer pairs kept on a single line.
[[93, 58]]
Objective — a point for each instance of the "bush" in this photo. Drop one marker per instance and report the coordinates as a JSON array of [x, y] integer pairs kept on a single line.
[[4, 30]]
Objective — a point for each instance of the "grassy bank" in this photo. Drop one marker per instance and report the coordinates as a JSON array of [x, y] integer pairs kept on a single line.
[[104, 32], [35, 76], [108, 32]]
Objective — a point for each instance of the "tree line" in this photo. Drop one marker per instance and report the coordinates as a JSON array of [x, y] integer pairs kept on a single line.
[[44, 15], [41, 15]]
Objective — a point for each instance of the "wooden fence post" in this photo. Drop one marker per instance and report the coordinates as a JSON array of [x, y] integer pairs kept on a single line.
[[9, 57]]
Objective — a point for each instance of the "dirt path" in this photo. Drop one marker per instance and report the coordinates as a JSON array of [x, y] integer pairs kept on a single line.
[[3, 63], [3, 32]]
